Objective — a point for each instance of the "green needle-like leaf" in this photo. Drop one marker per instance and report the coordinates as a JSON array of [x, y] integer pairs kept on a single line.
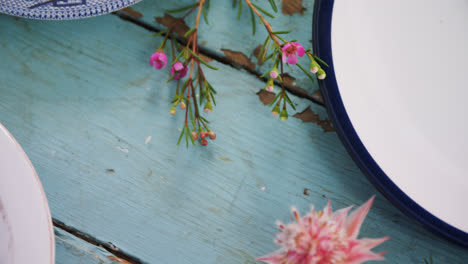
[[265, 74], [289, 101], [263, 11], [204, 119], [212, 97], [239, 12], [202, 61], [159, 33], [282, 32], [177, 58], [273, 5], [269, 57], [182, 8], [252, 15], [181, 135], [205, 16], [211, 88], [320, 60], [171, 78], [306, 72], [274, 100], [189, 32], [282, 39]]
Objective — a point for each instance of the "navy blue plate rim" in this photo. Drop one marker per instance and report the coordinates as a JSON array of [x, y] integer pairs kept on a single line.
[[322, 20]]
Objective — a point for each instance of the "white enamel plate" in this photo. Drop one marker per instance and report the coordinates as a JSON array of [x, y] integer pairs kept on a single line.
[[396, 91], [26, 234]]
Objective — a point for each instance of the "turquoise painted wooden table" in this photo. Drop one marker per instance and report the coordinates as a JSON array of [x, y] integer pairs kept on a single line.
[[82, 100]]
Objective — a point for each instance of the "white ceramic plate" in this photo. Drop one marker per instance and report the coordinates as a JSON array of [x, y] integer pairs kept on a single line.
[[396, 91], [26, 234]]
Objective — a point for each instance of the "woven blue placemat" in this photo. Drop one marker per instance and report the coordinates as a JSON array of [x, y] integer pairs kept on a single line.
[[61, 9]]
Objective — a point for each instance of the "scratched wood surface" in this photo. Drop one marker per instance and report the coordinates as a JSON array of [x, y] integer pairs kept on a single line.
[[82, 100]]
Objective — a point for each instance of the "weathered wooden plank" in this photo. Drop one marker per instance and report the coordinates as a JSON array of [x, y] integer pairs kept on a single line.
[[81, 100], [72, 250], [228, 37]]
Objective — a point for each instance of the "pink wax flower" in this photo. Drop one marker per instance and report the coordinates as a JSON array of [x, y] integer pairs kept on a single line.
[[290, 52], [325, 237], [158, 59], [179, 69]]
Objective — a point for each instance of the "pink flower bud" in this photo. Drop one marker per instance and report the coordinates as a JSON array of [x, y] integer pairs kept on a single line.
[[274, 73], [203, 134], [182, 105], [194, 135], [276, 110], [321, 74], [269, 86], [212, 135], [208, 107], [284, 115], [173, 110], [204, 142], [179, 70], [158, 60]]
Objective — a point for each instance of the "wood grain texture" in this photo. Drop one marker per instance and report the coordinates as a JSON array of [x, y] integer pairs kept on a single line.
[[82, 100], [225, 32], [72, 250]]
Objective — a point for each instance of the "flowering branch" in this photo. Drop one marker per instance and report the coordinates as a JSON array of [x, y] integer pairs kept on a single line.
[[286, 52], [267, 25], [189, 60]]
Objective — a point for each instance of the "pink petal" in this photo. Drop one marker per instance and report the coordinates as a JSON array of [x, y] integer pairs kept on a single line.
[[327, 210], [300, 50], [178, 66], [163, 59], [159, 65], [284, 57], [292, 59], [370, 243], [340, 215], [154, 56], [296, 214], [285, 47], [361, 257], [275, 257], [355, 219], [184, 72]]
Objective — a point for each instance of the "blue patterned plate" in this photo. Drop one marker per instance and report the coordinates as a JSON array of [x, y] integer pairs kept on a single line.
[[61, 9]]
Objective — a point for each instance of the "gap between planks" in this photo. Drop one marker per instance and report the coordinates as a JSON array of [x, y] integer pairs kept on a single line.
[[297, 91], [108, 246]]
